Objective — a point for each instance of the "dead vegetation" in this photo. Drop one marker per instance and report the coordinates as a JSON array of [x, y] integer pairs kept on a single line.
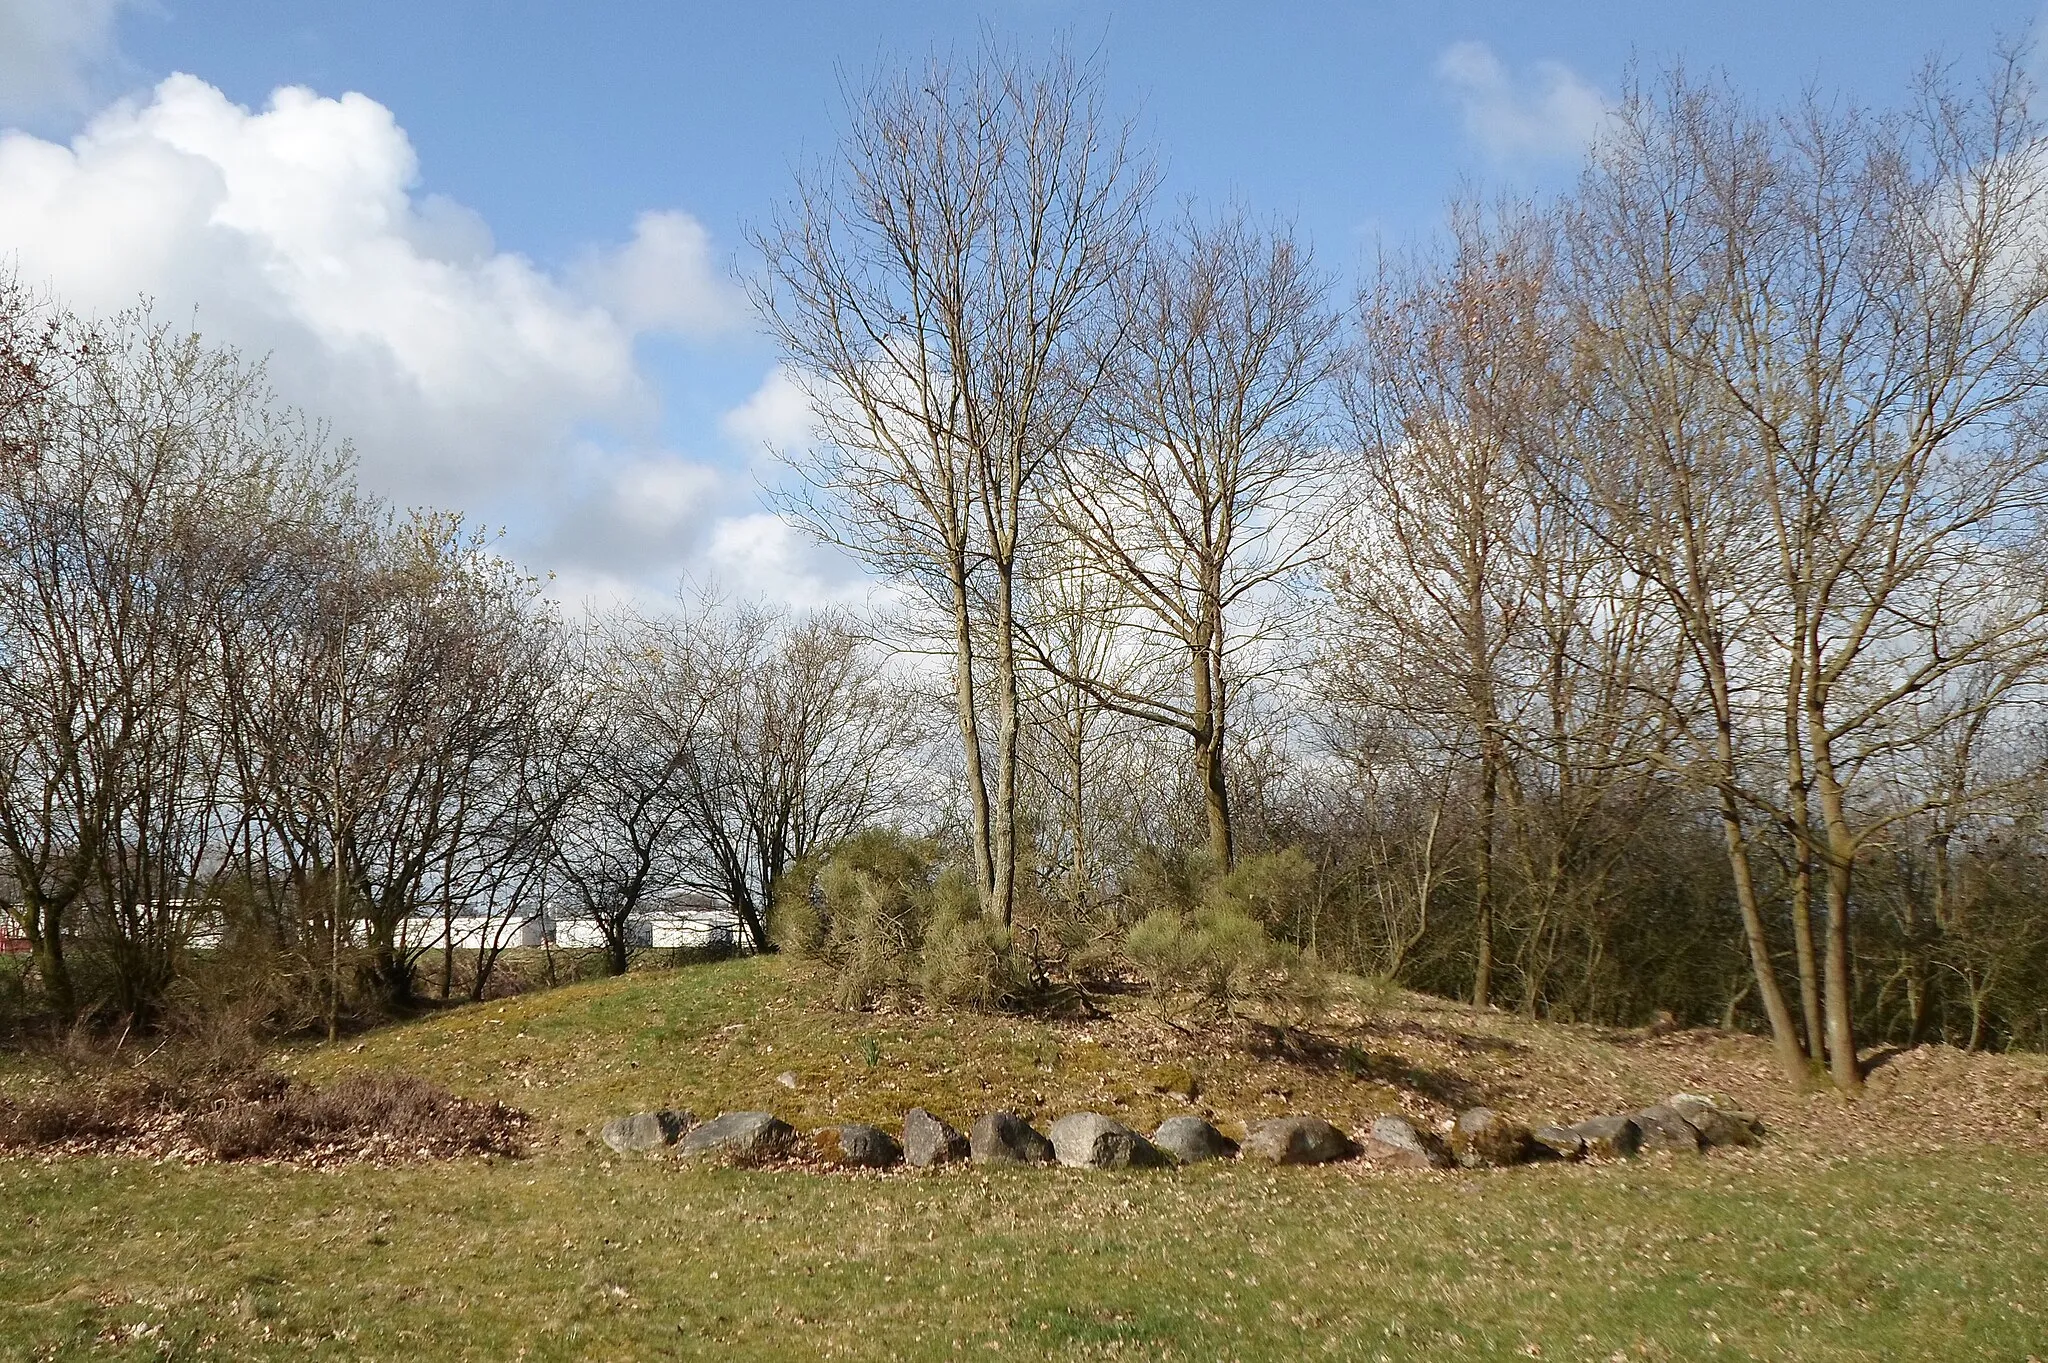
[[259, 1115]]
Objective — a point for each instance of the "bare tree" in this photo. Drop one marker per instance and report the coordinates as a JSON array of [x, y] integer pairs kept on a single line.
[[1080, 626], [1821, 342], [1197, 488], [386, 726], [626, 832], [1452, 391], [141, 465], [932, 291], [800, 744]]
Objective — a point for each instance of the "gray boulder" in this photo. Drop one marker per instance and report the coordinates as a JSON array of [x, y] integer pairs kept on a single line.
[[857, 1146], [638, 1132], [1609, 1137], [1484, 1138], [1089, 1140], [1296, 1140], [1190, 1140], [1717, 1126], [928, 1141], [1006, 1138], [1397, 1143], [1381, 1155], [742, 1138], [1558, 1142], [1666, 1131]]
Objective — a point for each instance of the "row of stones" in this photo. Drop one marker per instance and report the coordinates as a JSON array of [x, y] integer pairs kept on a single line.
[[1480, 1137]]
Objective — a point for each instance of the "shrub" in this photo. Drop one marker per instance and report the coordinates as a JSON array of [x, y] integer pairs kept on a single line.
[[1208, 940], [1269, 887], [885, 914], [371, 1115], [259, 1114], [1217, 956], [967, 961], [14, 1001]]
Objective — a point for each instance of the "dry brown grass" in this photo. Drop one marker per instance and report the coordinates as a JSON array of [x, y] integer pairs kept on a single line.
[[258, 1115]]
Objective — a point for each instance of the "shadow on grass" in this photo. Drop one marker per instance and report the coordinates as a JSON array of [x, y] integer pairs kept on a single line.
[[1311, 1050]]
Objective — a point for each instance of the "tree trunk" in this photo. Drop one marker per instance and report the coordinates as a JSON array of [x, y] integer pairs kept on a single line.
[[1482, 890], [392, 975], [1802, 883], [1838, 982], [46, 950], [965, 705], [752, 918], [1002, 817], [1792, 1056], [1209, 752], [447, 954], [1077, 797]]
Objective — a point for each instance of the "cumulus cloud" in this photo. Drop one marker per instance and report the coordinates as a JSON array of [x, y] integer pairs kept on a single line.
[[762, 555], [775, 418], [665, 279], [48, 50], [466, 375], [459, 369], [1545, 111], [637, 516]]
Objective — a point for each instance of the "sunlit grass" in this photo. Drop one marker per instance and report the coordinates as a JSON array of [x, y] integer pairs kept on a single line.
[[1799, 1251], [573, 1257]]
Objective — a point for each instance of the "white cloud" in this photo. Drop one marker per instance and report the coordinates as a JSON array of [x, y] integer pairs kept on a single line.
[[763, 555], [665, 279], [775, 419], [459, 369], [1547, 111], [466, 375], [48, 50], [640, 516], [748, 555]]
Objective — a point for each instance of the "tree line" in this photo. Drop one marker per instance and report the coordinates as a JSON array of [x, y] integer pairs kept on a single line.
[[1632, 603], [251, 717]]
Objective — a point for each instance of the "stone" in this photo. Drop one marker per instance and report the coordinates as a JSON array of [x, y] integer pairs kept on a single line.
[[1407, 1146], [1089, 1140], [638, 1132], [787, 1079], [1559, 1142], [1717, 1126], [1190, 1140], [1296, 1140], [1483, 1138], [1665, 1131], [928, 1141], [742, 1138], [857, 1146], [1609, 1137], [1006, 1138], [1384, 1155], [1178, 1080]]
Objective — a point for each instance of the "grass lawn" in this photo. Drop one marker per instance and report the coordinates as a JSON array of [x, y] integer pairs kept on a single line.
[[1846, 1238]]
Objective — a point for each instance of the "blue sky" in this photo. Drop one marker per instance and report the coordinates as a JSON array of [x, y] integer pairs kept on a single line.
[[505, 268]]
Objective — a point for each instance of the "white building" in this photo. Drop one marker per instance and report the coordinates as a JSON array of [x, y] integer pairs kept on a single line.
[[466, 928], [671, 921]]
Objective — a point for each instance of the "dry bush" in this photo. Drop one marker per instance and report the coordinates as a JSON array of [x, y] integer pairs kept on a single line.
[[259, 1114], [367, 1116]]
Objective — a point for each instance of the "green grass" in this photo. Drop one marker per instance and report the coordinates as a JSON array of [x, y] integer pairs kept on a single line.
[[577, 1257], [1793, 1252]]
